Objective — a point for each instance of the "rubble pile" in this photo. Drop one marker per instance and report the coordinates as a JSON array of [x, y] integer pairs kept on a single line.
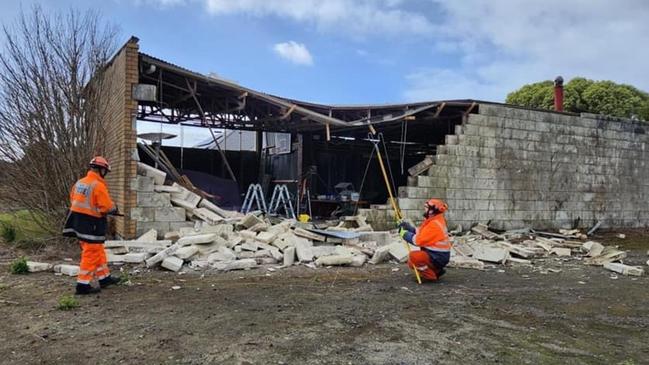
[[480, 245]]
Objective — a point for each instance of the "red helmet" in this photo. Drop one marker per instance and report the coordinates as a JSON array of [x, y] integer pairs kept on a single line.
[[100, 162], [437, 204]]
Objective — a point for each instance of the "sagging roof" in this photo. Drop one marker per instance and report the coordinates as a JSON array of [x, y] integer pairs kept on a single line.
[[189, 97]]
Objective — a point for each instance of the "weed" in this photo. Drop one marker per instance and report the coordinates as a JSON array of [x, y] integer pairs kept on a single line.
[[19, 266], [68, 302], [124, 277], [8, 232]]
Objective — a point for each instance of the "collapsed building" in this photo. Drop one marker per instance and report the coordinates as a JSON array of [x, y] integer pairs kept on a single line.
[[509, 166]]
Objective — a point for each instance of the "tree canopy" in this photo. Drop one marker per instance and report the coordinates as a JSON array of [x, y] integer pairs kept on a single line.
[[584, 95]]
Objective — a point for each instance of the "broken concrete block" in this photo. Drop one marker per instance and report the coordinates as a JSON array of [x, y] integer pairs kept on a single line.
[[234, 240], [265, 260], [609, 254], [207, 215], [196, 240], [136, 257], [266, 237], [624, 269], [279, 228], [189, 198], [261, 253], [303, 249], [166, 189], [146, 170], [464, 262], [162, 255], [245, 255], [214, 208], [182, 203], [248, 234], [136, 243], [250, 220], [223, 254], [319, 251], [172, 263], [490, 254], [289, 256], [276, 254], [33, 266], [358, 260], [114, 259], [593, 248], [308, 235], [186, 252], [284, 240], [235, 265], [422, 166], [116, 250], [380, 255], [169, 214], [561, 251], [142, 183], [69, 270], [249, 246], [334, 260], [173, 236], [221, 229], [399, 251], [148, 236], [259, 227]]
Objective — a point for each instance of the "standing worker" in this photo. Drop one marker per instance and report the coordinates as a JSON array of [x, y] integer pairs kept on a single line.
[[90, 203], [432, 238]]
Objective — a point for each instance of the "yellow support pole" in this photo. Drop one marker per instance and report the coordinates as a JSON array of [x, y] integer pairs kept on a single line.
[[397, 212]]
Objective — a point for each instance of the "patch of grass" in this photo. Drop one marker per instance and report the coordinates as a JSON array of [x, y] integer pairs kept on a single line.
[[4, 287], [8, 232], [68, 302], [19, 266], [124, 278], [24, 225]]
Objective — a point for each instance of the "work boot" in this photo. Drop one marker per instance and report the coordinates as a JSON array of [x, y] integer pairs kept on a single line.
[[441, 272], [108, 281], [84, 289]]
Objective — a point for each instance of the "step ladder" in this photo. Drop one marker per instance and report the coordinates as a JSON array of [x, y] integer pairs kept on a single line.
[[281, 196], [254, 195]]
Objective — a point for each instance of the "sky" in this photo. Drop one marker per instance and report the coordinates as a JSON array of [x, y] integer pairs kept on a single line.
[[384, 51]]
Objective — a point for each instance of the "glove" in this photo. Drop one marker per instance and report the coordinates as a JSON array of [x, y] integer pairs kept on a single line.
[[407, 226], [402, 232]]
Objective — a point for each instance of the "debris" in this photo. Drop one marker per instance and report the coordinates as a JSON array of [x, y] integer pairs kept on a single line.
[[235, 265], [358, 260], [334, 260], [484, 231], [196, 240], [381, 254], [593, 248], [250, 220], [595, 227], [136, 257], [491, 254], [289, 256], [172, 263], [70, 270], [620, 235], [519, 261], [609, 254], [175, 287], [33, 266], [422, 166], [303, 250], [308, 235], [561, 251], [624, 269], [186, 252], [399, 251], [162, 255], [266, 237], [464, 262]]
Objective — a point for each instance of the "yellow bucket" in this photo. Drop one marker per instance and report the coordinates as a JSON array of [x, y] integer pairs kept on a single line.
[[304, 218]]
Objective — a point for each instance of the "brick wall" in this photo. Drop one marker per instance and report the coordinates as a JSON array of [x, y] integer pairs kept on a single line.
[[520, 167], [119, 135]]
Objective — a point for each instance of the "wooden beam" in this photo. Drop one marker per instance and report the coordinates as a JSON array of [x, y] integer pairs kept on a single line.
[[288, 113], [439, 109]]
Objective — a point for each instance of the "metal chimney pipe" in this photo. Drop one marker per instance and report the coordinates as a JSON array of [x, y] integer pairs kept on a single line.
[[558, 94]]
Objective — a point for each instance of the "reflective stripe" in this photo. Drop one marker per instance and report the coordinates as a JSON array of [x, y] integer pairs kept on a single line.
[[83, 281], [86, 191], [84, 236], [433, 249]]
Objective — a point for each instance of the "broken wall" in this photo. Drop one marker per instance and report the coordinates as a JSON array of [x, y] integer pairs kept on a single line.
[[119, 140], [518, 167]]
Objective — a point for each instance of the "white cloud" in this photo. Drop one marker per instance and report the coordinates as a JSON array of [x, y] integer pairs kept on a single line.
[[357, 18], [294, 52], [505, 44]]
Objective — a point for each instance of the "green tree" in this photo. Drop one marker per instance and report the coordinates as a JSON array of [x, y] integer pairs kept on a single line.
[[584, 95]]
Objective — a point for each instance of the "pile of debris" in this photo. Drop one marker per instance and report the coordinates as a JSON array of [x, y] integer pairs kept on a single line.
[[481, 245]]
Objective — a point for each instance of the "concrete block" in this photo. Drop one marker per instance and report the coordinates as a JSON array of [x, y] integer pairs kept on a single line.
[[399, 251], [303, 249], [207, 215], [166, 189], [459, 261], [319, 251], [216, 209], [142, 183], [186, 252], [143, 214], [157, 175], [624, 269], [116, 250], [245, 254], [381, 238], [182, 203], [262, 253], [380, 255], [266, 261], [157, 258], [153, 200], [200, 239], [289, 256], [308, 235], [490, 254], [220, 229], [250, 220], [172, 263], [249, 246], [114, 259], [248, 234], [233, 240], [334, 260], [259, 227], [284, 240], [148, 236], [69, 270], [33, 266], [136, 257], [137, 244], [176, 226], [561, 251], [276, 254], [358, 260], [170, 214], [235, 265], [593, 248], [174, 235]]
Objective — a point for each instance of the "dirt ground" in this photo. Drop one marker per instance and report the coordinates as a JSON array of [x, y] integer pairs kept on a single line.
[[370, 315]]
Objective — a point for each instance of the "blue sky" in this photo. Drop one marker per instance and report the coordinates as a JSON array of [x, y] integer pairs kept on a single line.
[[380, 51]]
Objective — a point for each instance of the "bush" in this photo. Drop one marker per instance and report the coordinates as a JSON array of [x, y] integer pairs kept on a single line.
[[19, 266], [8, 233], [68, 302]]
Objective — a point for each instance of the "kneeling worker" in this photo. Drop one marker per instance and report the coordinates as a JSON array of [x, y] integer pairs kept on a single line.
[[432, 238], [90, 203]]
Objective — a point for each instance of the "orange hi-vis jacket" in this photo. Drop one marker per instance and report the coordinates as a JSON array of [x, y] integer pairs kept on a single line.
[[89, 204], [432, 235], [90, 196]]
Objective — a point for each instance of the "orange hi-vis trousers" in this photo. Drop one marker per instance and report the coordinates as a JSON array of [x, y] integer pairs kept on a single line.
[[420, 261], [94, 263]]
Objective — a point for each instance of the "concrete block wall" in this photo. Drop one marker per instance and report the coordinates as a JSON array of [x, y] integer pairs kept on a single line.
[[518, 167], [154, 209], [118, 139]]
